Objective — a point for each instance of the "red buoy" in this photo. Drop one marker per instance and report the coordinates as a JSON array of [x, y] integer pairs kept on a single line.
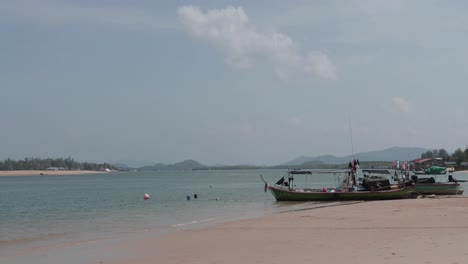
[[146, 196]]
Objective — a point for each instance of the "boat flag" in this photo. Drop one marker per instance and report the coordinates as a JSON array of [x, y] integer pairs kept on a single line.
[[403, 165], [354, 164]]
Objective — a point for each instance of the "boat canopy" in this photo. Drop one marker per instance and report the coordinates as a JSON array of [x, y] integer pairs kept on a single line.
[[299, 172], [421, 160], [316, 172], [435, 170], [376, 171]]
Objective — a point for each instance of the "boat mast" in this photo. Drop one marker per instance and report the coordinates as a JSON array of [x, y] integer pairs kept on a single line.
[[351, 136], [351, 174]]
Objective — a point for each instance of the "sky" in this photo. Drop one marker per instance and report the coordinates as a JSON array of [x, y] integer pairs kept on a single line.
[[230, 82]]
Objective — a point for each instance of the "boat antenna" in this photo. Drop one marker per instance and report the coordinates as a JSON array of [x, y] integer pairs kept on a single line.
[[351, 135]]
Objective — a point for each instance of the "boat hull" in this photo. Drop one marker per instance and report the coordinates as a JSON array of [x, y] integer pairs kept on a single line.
[[284, 194], [438, 188]]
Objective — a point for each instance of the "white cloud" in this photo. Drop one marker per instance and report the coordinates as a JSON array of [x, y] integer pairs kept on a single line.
[[230, 29], [401, 104], [321, 65]]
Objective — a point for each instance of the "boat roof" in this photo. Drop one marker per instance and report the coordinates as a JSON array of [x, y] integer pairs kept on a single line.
[[421, 160], [379, 171], [308, 172], [299, 172]]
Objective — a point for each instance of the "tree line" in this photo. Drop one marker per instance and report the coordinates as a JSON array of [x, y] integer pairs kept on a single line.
[[42, 164], [458, 156]]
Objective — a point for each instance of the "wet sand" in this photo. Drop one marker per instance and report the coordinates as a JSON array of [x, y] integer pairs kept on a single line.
[[401, 231]]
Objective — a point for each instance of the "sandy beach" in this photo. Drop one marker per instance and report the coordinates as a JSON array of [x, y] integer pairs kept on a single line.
[[400, 231], [47, 172]]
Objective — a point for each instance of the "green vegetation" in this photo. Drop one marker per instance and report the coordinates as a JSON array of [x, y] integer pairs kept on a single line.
[[42, 164], [458, 156]]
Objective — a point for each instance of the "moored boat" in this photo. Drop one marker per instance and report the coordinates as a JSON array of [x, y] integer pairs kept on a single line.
[[283, 194], [430, 186], [371, 188]]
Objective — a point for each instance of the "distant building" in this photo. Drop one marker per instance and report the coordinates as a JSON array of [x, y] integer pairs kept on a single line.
[[421, 164], [424, 163], [52, 169]]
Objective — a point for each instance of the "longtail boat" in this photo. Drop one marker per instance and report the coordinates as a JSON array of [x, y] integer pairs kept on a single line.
[[371, 188], [431, 186]]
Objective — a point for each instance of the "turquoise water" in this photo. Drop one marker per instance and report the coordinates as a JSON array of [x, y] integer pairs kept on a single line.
[[48, 210]]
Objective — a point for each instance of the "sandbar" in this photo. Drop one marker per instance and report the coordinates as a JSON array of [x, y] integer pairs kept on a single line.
[[412, 231], [47, 172]]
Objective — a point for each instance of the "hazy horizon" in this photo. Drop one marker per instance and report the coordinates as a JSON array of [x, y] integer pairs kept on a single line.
[[142, 163], [230, 83]]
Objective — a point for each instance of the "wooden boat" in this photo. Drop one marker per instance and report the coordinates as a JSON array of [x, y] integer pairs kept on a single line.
[[427, 186], [349, 190]]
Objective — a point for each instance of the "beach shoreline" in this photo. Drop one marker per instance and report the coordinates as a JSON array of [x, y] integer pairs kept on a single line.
[[425, 231], [47, 172], [397, 231]]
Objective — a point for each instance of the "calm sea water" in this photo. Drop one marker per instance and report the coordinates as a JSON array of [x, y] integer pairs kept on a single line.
[[48, 210]]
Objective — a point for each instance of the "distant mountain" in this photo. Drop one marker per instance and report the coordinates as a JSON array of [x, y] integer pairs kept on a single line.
[[159, 166], [390, 154], [127, 163], [326, 159], [312, 163], [186, 165], [299, 160], [183, 165]]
